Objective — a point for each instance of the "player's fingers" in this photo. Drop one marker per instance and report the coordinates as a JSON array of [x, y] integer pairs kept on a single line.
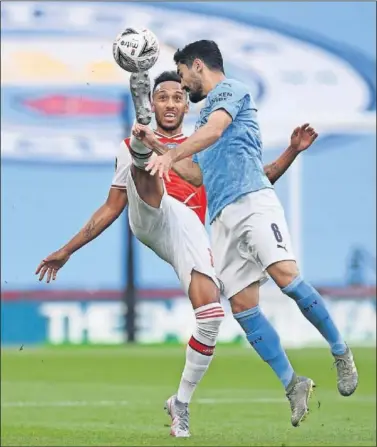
[[296, 131], [149, 165], [49, 273], [54, 273], [154, 169], [315, 136], [39, 267], [43, 272], [304, 126], [166, 175], [310, 130]]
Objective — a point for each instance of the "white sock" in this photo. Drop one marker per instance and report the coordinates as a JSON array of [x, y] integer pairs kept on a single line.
[[139, 152], [200, 348]]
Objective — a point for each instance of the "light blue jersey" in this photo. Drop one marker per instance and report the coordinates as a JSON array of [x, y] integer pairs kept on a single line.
[[232, 166]]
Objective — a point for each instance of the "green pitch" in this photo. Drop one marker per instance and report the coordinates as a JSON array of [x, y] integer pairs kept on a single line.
[[114, 397]]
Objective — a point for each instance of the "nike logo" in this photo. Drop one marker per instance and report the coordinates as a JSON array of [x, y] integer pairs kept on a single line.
[[283, 247]]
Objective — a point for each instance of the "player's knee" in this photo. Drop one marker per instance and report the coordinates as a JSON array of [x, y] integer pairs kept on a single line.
[[246, 299], [203, 290], [283, 272], [208, 321]]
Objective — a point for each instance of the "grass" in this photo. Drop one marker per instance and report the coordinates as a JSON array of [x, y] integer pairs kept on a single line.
[[114, 397]]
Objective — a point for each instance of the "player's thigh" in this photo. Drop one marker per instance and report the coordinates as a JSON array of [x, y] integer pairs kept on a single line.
[[236, 265], [193, 259], [147, 222], [149, 188], [269, 237]]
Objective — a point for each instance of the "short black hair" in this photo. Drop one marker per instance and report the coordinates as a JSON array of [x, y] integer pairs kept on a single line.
[[205, 50], [166, 76]]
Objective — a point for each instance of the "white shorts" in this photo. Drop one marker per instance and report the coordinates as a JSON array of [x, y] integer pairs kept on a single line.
[[174, 232], [248, 236]]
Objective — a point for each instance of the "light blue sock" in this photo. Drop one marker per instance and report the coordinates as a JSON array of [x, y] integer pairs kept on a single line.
[[265, 340], [313, 307]]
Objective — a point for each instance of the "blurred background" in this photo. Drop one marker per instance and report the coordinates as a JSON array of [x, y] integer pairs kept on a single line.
[[65, 106]]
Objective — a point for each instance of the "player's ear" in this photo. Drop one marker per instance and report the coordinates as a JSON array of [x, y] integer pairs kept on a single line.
[[152, 106], [198, 65], [187, 107]]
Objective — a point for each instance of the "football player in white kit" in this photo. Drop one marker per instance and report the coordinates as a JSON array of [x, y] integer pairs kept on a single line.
[[170, 220]]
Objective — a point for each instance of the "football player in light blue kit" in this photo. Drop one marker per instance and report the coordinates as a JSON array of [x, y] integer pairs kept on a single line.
[[248, 227]]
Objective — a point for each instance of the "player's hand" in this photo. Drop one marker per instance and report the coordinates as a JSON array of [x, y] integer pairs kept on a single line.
[[52, 264], [161, 165], [145, 134], [303, 137]]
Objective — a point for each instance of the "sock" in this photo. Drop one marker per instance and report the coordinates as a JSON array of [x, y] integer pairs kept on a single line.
[[200, 349], [139, 152], [265, 340], [313, 307]]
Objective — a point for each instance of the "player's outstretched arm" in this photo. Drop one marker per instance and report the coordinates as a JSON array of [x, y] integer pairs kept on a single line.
[[186, 169], [301, 138], [101, 219], [204, 137]]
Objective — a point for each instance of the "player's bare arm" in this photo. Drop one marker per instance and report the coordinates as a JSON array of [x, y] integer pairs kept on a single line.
[[301, 138], [204, 137], [186, 168], [101, 219]]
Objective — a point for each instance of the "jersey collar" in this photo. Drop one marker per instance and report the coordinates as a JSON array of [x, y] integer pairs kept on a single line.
[[174, 137]]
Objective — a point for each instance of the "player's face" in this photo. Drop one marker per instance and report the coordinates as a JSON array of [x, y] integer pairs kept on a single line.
[[191, 81], [169, 105]]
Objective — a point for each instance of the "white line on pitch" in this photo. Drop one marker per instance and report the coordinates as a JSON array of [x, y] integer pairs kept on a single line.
[[221, 400], [110, 403], [73, 403], [204, 401]]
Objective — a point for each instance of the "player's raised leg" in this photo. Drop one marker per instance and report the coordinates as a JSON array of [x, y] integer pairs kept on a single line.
[[149, 189]]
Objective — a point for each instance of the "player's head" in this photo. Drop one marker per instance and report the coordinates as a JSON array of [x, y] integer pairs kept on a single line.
[[194, 62], [169, 101]]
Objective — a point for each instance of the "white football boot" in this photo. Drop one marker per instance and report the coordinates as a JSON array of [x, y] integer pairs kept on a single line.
[[140, 86], [180, 415]]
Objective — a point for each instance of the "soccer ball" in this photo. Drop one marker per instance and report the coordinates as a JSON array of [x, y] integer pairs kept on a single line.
[[136, 50]]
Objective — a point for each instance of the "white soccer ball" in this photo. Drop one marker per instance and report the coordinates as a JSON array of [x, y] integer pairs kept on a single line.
[[136, 50]]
